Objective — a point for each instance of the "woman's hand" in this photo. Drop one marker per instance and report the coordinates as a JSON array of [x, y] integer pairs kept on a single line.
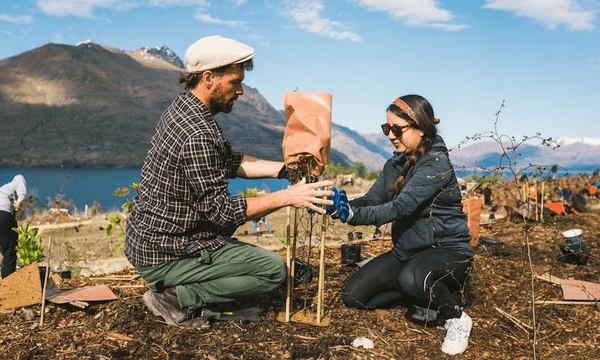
[[340, 208]]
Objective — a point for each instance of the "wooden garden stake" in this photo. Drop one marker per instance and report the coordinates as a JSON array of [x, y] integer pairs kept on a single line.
[[542, 206], [321, 268], [46, 275], [537, 209], [291, 265], [288, 299]]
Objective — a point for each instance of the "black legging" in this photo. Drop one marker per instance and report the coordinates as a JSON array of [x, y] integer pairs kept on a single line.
[[384, 281], [8, 243]]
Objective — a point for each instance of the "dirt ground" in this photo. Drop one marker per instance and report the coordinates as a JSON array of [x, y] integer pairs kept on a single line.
[[499, 301]]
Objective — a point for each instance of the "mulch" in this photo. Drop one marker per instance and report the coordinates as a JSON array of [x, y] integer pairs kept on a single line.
[[499, 301]]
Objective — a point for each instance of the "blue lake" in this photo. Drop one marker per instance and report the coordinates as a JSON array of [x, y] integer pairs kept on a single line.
[[86, 186]]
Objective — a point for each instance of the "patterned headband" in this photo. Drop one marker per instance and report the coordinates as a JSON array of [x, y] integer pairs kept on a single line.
[[407, 109], [404, 107]]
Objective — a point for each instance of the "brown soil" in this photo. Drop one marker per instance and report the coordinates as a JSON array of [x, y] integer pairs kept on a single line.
[[499, 301]]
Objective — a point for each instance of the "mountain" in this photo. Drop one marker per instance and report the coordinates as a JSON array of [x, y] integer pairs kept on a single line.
[[580, 155], [92, 105]]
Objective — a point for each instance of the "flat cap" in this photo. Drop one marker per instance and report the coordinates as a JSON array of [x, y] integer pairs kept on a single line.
[[213, 52]]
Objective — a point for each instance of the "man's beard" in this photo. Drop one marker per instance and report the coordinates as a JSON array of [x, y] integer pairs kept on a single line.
[[218, 102]]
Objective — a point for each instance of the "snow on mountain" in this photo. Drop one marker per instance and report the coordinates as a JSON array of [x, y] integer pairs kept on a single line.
[[162, 52], [572, 153], [586, 141]]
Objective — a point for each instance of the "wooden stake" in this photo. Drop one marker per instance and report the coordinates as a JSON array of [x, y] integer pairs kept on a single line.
[[291, 269], [79, 304], [46, 276], [537, 209], [290, 283], [564, 302], [321, 268], [543, 194], [523, 326]]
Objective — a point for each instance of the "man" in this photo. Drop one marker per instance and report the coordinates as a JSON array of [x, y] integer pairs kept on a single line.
[[11, 198], [178, 235], [256, 225]]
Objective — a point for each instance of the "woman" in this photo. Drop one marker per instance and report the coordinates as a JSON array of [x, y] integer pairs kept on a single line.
[[418, 193]]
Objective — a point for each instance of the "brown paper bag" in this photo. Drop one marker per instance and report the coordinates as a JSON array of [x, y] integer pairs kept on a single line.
[[307, 138]]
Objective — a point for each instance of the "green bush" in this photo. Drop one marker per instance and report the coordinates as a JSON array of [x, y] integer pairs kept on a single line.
[[29, 248]]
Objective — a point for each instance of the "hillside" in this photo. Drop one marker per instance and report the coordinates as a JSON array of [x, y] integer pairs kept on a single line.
[[92, 105]]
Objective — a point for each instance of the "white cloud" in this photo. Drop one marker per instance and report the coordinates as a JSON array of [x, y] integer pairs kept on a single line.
[[23, 19], [425, 13], [85, 8], [82, 8], [165, 3], [259, 39], [550, 13], [58, 38], [307, 14], [206, 18]]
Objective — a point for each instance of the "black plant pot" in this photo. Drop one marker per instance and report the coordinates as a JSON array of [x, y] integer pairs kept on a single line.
[[355, 235], [42, 274], [66, 274], [350, 254]]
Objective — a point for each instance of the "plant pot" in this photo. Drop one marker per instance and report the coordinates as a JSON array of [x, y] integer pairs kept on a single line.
[[350, 254], [302, 273], [66, 274], [574, 251], [355, 235], [43, 274]]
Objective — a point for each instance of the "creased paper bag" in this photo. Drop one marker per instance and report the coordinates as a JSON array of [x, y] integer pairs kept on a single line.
[[307, 138]]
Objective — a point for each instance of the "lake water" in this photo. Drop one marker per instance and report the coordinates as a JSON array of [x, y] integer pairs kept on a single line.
[[86, 186]]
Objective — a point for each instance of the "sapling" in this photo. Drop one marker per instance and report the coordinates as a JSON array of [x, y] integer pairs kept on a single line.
[[29, 248]]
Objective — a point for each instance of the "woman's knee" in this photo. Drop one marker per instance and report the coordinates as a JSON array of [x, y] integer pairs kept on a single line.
[[407, 283], [351, 301]]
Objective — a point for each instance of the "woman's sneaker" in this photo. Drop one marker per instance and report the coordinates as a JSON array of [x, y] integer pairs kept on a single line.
[[457, 334]]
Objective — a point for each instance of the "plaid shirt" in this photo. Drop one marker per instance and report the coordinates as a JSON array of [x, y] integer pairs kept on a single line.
[[183, 206]]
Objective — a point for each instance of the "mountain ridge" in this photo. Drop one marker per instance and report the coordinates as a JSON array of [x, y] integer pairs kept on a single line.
[[92, 105]]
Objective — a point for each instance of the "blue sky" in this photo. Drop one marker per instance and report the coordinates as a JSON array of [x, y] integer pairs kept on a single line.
[[541, 57]]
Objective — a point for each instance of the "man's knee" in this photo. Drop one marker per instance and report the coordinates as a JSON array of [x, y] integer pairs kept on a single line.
[[281, 274], [277, 271]]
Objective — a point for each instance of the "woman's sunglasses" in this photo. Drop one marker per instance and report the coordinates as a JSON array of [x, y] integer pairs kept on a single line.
[[395, 129]]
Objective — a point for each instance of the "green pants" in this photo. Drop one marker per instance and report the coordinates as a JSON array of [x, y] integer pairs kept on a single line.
[[237, 269]]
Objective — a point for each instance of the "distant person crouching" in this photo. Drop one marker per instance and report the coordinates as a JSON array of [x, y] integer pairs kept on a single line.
[[11, 198]]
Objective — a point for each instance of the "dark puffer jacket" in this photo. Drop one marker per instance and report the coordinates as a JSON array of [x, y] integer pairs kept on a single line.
[[427, 212]]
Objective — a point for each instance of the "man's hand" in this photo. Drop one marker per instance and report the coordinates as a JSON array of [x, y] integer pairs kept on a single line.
[[17, 205], [311, 196]]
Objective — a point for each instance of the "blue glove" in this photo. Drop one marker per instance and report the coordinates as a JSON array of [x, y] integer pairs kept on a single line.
[[340, 208]]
